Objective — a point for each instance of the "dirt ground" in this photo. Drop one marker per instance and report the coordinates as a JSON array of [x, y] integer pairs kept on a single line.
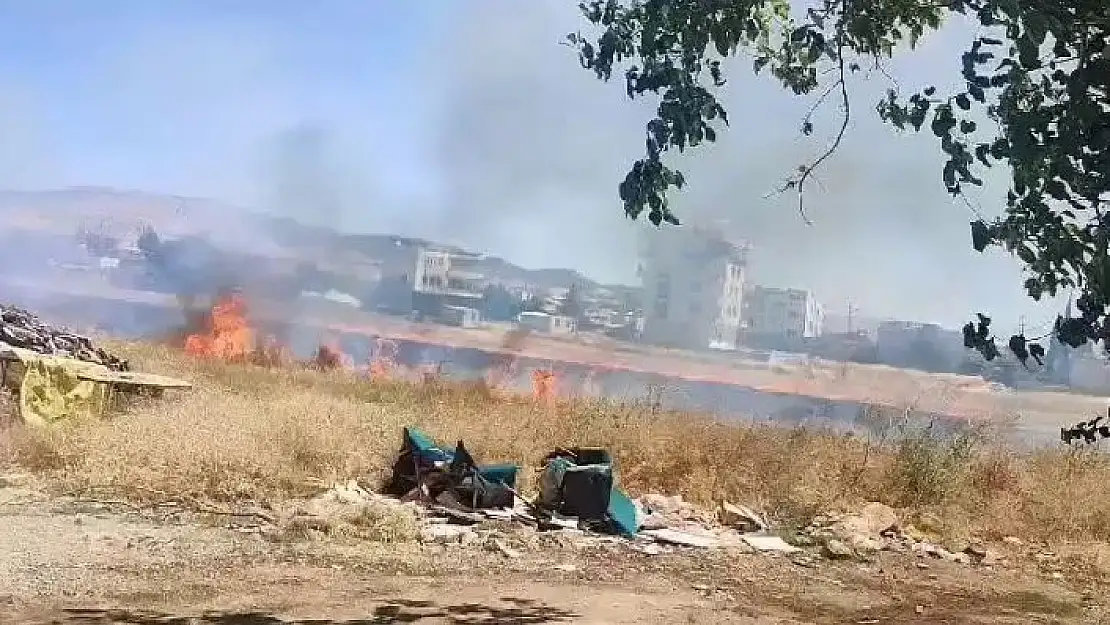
[[71, 561]]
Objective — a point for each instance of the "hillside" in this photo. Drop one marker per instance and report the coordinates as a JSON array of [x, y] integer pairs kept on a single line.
[[124, 213]]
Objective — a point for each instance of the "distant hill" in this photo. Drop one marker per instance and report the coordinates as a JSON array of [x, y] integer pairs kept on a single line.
[[124, 214]]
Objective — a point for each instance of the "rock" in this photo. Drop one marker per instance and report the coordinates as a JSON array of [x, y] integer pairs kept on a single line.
[[929, 523], [932, 551], [801, 539], [496, 545], [911, 532], [670, 510], [447, 534], [872, 521], [1013, 541], [838, 550], [961, 558]]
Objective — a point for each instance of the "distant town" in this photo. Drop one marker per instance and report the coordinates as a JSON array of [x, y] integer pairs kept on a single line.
[[695, 293]]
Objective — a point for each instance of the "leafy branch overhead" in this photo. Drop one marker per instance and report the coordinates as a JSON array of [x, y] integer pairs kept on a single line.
[[1038, 77]]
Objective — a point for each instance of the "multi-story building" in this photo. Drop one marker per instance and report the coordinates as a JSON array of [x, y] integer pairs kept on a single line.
[[693, 282], [445, 278], [787, 314]]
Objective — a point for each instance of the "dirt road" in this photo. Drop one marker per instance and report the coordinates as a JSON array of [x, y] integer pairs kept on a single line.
[[72, 562]]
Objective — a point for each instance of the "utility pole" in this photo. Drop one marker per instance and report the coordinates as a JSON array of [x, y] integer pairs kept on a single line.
[[1021, 325], [851, 310]]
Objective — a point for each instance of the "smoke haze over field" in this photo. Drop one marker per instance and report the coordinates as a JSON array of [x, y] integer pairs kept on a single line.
[[470, 123]]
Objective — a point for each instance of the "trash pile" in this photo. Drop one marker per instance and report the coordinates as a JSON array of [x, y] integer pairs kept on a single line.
[[578, 495], [23, 329], [447, 498]]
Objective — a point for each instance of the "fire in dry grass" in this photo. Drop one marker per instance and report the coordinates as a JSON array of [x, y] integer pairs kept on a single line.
[[544, 383], [383, 360], [226, 334]]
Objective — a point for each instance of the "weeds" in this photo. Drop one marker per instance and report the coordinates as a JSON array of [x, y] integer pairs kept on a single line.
[[277, 434]]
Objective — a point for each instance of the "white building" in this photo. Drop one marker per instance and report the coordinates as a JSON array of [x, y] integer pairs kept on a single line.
[[791, 314], [548, 323], [693, 282], [444, 272]]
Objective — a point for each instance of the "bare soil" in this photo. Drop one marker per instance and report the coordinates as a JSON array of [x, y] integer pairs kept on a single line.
[[70, 561]]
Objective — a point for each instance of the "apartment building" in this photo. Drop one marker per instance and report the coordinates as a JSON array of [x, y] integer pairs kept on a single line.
[[787, 314], [693, 281]]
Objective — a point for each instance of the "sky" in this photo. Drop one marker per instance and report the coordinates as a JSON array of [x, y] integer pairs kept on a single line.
[[471, 123]]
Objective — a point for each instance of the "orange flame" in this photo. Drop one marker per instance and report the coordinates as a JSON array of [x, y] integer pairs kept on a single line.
[[383, 362], [228, 336], [543, 385]]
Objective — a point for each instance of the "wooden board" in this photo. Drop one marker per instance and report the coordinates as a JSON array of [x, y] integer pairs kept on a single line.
[[135, 378], [96, 373]]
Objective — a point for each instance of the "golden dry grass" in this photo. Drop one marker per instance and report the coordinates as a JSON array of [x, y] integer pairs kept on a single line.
[[250, 433]]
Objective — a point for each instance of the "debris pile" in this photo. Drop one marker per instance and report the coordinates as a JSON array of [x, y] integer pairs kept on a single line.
[[876, 527], [445, 498], [23, 329]]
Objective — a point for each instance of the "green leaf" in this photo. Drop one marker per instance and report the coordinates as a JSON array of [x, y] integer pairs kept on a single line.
[[980, 235]]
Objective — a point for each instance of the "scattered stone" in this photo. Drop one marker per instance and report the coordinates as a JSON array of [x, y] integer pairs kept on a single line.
[[503, 549], [447, 534], [666, 511], [1013, 541], [801, 539], [649, 549], [838, 550], [871, 521]]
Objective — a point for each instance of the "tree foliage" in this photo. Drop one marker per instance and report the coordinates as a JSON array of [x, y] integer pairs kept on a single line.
[[1039, 73]]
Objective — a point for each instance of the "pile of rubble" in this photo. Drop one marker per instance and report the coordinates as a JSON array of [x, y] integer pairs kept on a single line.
[[876, 527], [22, 329], [670, 525]]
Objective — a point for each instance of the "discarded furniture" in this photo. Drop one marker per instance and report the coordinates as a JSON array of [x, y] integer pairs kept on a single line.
[[430, 470], [579, 483]]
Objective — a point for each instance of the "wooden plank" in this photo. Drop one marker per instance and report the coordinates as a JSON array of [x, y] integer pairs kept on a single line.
[[138, 378], [100, 373]]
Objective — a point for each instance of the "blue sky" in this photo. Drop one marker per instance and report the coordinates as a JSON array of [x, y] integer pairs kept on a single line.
[[469, 122]]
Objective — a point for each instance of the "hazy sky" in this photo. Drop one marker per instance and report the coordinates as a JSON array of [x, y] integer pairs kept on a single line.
[[468, 121]]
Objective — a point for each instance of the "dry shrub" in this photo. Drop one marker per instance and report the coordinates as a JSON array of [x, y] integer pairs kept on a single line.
[[371, 521], [276, 434]]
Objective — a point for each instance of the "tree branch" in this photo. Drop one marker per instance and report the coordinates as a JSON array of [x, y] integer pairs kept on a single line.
[[806, 171]]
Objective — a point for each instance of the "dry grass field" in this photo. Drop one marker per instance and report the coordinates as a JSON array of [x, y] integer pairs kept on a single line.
[[249, 433]]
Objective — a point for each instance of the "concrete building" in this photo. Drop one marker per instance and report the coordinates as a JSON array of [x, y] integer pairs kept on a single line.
[[445, 278], [693, 281], [788, 314]]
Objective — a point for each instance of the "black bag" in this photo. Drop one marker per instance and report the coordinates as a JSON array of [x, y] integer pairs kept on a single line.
[[584, 482], [585, 491]]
